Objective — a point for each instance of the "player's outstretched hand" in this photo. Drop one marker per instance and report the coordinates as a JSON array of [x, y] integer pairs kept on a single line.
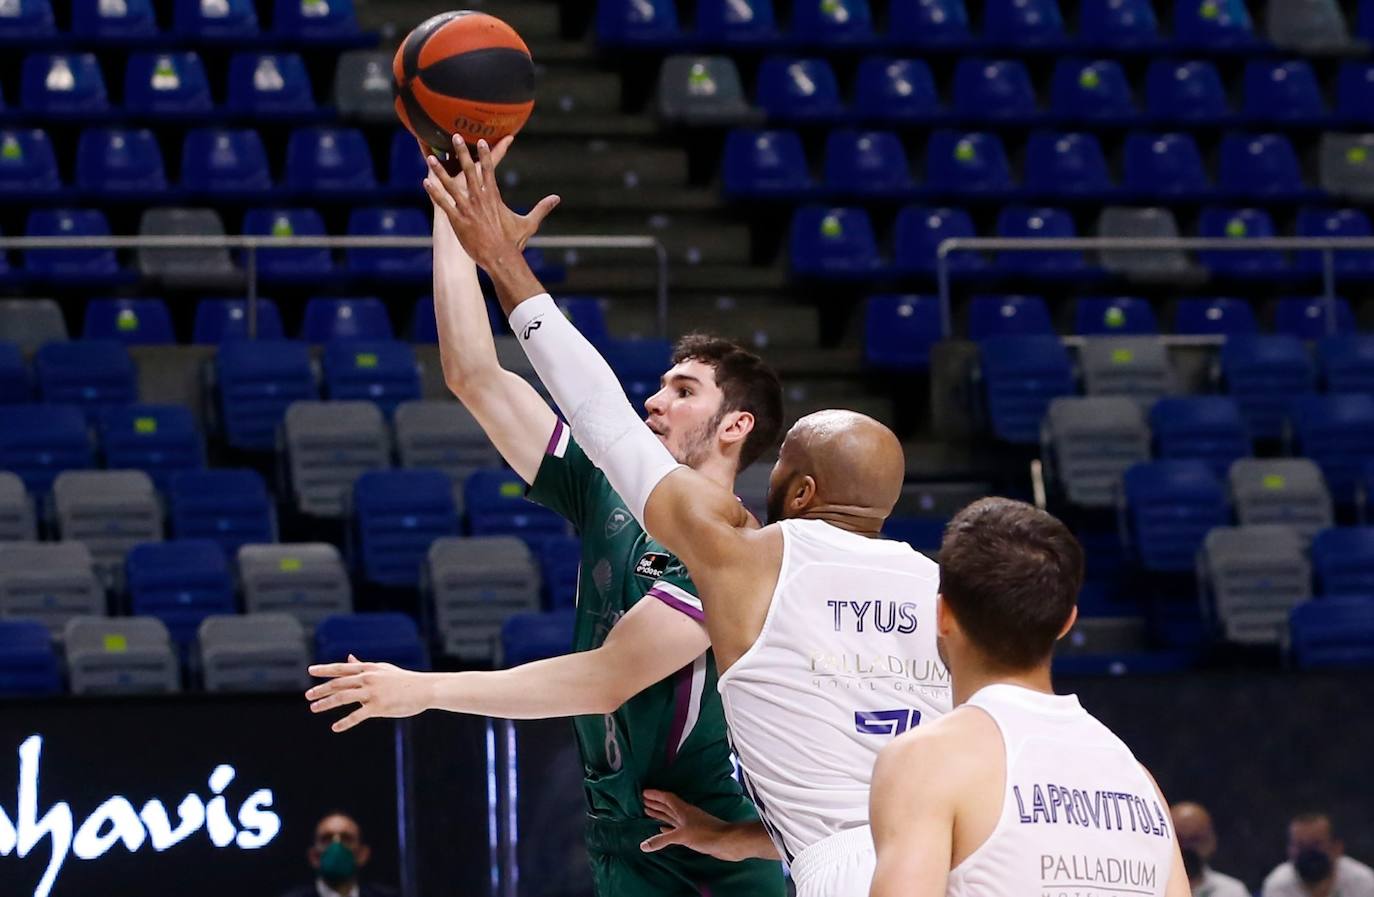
[[687, 825], [381, 690]]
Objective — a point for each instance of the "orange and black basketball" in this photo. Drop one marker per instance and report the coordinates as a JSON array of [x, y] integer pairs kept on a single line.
[[463, 73]]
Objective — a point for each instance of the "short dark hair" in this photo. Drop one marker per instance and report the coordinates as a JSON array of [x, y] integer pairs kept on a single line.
[[1010, 573], [748, 384]]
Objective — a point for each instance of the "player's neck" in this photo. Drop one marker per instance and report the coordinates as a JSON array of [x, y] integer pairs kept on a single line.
[[971, 678], [859, 521], [720, 470]]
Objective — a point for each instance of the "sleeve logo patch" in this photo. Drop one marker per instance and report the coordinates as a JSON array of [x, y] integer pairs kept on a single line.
[[619, 519], [532, 326], [652, 564]]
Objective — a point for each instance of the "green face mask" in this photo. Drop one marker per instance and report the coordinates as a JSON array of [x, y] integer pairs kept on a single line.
[[337, 864]]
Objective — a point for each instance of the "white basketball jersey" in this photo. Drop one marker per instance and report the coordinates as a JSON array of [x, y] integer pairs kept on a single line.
[[845, 661], [1080, 815]]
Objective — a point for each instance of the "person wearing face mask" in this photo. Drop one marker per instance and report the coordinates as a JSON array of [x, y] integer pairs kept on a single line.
[[1198, 840], [338, 856], [1317, 865]]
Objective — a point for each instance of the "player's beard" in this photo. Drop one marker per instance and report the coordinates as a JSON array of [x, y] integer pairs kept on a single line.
[[699, 443]]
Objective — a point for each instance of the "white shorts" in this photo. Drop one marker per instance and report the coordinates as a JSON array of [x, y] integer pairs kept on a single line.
[[840, 866]]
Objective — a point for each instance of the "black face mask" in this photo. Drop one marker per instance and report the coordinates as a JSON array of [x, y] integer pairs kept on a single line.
[[1193, 864], [1313, 866]]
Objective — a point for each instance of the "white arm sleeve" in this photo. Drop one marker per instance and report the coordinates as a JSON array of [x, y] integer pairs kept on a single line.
[[586, 389]]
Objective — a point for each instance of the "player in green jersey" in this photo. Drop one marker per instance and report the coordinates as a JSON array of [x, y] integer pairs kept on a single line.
[[641, 683]]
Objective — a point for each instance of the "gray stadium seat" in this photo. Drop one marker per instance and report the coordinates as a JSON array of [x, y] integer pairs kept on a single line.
[[306, 580], [1255, 576], [1347, 165], [475, 585], [444, 436], [1136, 367], [110, 511], [701, 90], [120, 655], [31, 322], [1145, 223], [1093, 440], [191, 266], [328, 446], [253, 652], [1286, 491], [51, 582], [16, 510], [362, 86], [1308, 26]]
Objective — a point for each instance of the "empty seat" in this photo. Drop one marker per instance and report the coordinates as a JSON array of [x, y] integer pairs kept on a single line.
[[27, 162], [16, 510], [1287, 491], [1027, 222], [122, 21], [180, 583], [14, 375], [390, 263], [1023, 374], [1354, 88], [638, 364], [763, 163], [529, 637], [918, 233], [475, 585], [560, 564], [971, 162], [1282, 91], [928, 22], [191, 265], [701, 90], [1333, 633], [120, 161], [496, 506], [69, 264], [1346, 163], [1239, 225], [1217, 316], [51, 582], [1255, 575], [229, 507], [269, 85], [1264, 373], [791, 88], [314, 21], [1313, 317], [216, 20], [442, 435], [1343, 560], [28, 20], [737, 21], [294, 263], [28, 660], [1170, 507], [1201, 428], [253, 653], [257, 380], [134, 322], [328, 446], [362, 86], [621, 22], [1337, 432], [1093, 91], [63, 85], [160, 440], [168, 84], [382, 372], [111, 511], [899, 331], [1185, 91], [831, 242], [329, 160], [998, 89], [871, 163], [832, 21], [389, 638], [38, 442], [895, 90], [1336, 223], [1114, 315], [1309, 26], [405, 166], [1347, 362], [1093, 441], [120, 655], [1212, 24], [220, 320], [224, 162], [1022, 22], [1118, 24], [89, 373], [1133, 366], [397, 514], [1259, 165], [1066, 164], [1008, 315], [1164, 163], [329, 319], [306, 580]]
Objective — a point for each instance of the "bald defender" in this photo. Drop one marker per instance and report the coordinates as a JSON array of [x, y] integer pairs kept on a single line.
[[1197, 838], [823, 632]]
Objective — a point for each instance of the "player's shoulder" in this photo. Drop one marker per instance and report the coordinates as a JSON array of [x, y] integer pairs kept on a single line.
[[959, 743]]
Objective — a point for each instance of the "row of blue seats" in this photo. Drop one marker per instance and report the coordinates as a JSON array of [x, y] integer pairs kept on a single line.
[[829, 242], [1097, 92], [136, 21]]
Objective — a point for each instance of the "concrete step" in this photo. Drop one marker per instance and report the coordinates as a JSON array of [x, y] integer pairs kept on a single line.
[[552, 164], [570, 91]]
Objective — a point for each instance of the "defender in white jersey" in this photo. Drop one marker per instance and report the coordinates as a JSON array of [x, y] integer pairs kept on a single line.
[[1018, 792]]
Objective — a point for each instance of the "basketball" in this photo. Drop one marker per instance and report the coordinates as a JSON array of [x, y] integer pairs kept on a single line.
[[463, 73]]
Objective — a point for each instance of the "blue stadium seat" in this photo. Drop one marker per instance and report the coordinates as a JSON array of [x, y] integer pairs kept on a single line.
[[1020, 222], [638, 365], [315, 21], [899, 331], [63, 85], [1017, 23], [1337, 432], [496, 506], [866, 163], [160, 440], [1333, 633], [134, 322], [626, 22], [166, 84], [256, 380], [220, 320], [1336, 223], [32, 21], [921, 533], [1260, 165], [1239, 225], [764, 163], [1264, 374], [526, 638], [918, 233], [1355, 92], [126, 21], [1200, 428], [376, 637], [423, 326], [329, 160], [180, 583], [1095, 91], [927, 23], [1169, 164], [1114, 316], [990, 316], [1066, 164], [972, 162], [1212, 24], [1282, 92], [1218, 316], [1308, 318], [390, 263], [396, 515], [120, 161], [269, 85], [802, 89], [15, 385], [382, 372], [560, 560], [229, 21], [405, 166], [329, 319], [825, 22], [1343, 561], [293, 264], [833, 242], [1185, 91], [899, 90], [37, 442], [1118, 24], [993, 89], [229, 507], [223, 162], [69, 264], [737, 21], [1347, 362], [29, 665], [1022, 375], [27, 162], [88, 373], [588, 316], [1170, 507]]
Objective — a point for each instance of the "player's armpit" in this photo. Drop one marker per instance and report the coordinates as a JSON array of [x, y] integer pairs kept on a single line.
[[911, 810], [699, 521], [650, 643]]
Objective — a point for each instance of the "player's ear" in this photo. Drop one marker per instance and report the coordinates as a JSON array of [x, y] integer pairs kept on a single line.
[[944, 620], [805, 493], [736, 427], [1068, 624]]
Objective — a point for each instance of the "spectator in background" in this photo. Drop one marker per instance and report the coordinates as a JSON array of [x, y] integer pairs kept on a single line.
[[338, 856], [1317, 865], [1198, 841]]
